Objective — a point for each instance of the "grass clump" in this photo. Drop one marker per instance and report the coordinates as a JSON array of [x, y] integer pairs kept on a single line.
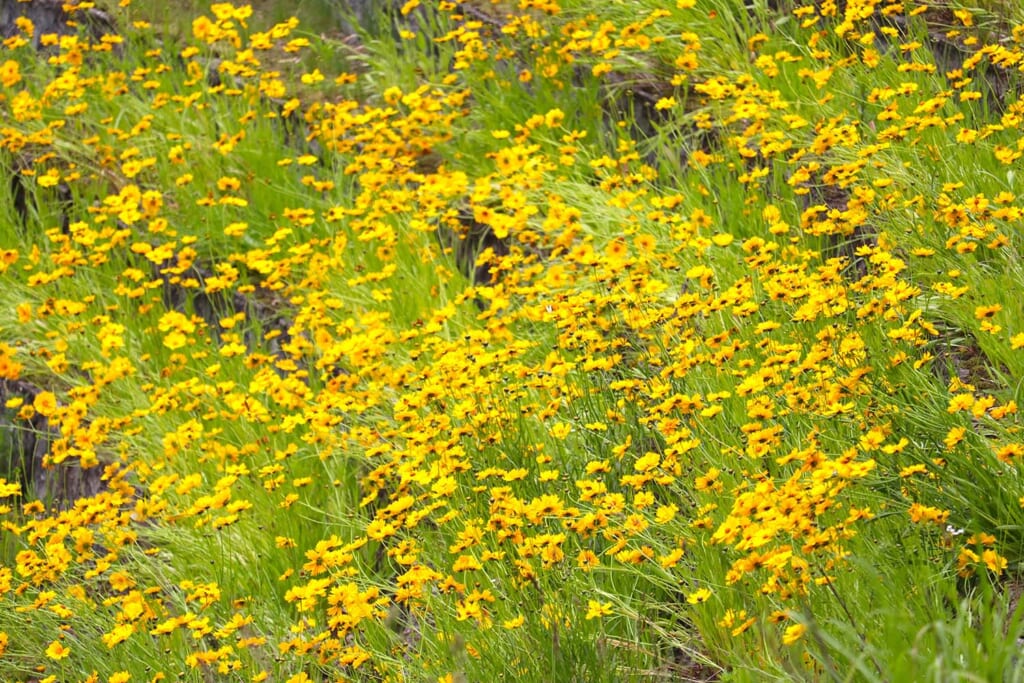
[[513, 341]]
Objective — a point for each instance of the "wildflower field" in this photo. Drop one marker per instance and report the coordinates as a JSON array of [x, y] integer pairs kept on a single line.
[[511, 340]]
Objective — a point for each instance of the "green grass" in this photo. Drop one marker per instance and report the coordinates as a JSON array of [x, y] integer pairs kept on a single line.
[[725, 385]]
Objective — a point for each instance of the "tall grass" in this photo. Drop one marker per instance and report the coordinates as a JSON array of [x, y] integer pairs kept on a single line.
[[526, 341]]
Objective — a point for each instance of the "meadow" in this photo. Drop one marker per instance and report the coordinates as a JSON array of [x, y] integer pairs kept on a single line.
[[511, 340]]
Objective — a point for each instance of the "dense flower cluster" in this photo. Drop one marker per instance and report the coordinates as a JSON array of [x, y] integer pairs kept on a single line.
[[386, 377]]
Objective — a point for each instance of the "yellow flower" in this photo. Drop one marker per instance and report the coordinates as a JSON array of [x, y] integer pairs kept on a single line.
[[120, 581], [514, 623], [466, 563], [793, 634], [228, 184], [911, 470], [954, 436], [647, 462], [10, 73], [117, 635], [698, 596], [995, 562], [56, 651], [560, 430], [45, 403], [672, 559], [175, 340], [923, 513], [964, 560], [596, 610], [984, 312], [587, 560], [312, 78], [666, 513]]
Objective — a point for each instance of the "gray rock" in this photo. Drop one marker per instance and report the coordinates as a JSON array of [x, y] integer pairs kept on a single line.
[[48, 16], [24, 445]]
